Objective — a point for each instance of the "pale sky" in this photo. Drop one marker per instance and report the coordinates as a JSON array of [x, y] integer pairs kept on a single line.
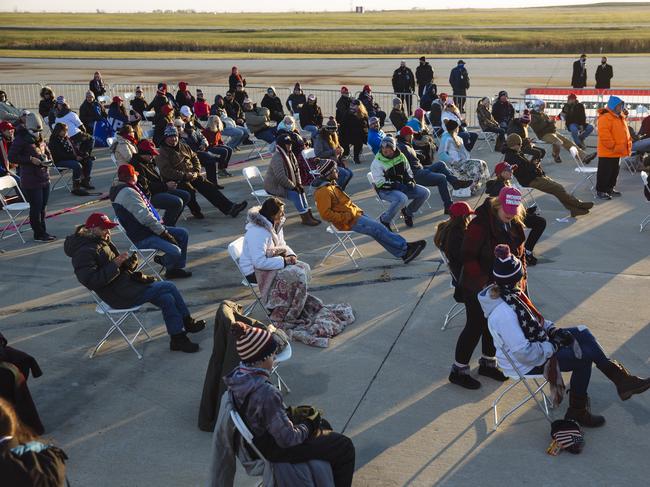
[[266, 5]]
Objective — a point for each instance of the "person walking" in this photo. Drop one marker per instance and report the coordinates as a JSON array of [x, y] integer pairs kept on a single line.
[[614, 142], [579, 76], [604, 75], [404, 85], [423, 75], [459, 81]]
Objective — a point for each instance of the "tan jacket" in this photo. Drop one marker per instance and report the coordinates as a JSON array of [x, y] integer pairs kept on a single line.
[[176, 165], [123, 150], [336, 207]]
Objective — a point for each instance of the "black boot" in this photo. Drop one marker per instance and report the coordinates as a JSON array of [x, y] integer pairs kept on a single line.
[[579, 411], [180, 343], [460, 376], [85, 183], [193, 326], [489, 368], [626, 384], [77, 190]]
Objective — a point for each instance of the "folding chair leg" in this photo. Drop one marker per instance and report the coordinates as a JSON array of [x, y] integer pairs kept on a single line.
[[643, 224], [117, 326], [454, 311], [281, 382]]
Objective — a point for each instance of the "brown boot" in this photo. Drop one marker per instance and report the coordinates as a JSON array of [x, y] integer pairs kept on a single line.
[[626, 384], [579, 411], [308, 219]]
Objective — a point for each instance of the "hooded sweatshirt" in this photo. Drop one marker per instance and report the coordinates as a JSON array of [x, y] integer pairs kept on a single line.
[[614, 139]]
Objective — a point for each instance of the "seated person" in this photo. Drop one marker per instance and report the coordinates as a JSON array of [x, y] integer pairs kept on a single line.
[[433, 175], [161, 99], [336, 207], [7, 132], [520, 126], [375, 134], [372, 108], [117, 114], [272, 102], [397, 115], [233, 109], [326, 146], [190, 132], [143, 224], [641, 144], [394, 183], [139, 104], [236, 133], [176, 162], [281, 437], [450, 112], [298, 144], [65, 156], [201, 107], [125, 145], [76, 131], [282, 179], [573, 114], [163, 195], [536, 223], [529, 174], [163, 118], [502, 110], [435, 114], [311, 116], [212, 133], [296, 100], [422, 139], [258, 121], [453, 152], [545, 129], [488, 124], [91, 111], [101, 268], [532, 341]]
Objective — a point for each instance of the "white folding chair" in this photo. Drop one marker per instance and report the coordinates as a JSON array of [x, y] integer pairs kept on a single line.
[[383, 204], [456, 308], [306, 155], [488, 138], [630, 162], [250, 173], [343, 239], [279, 358], [145, 256], [13, 210], [235, 249], [646, 193], [256, 147], [544, 403], [109, 142], [246, 434], [587, 173], [148, 115], [526, 194], [117, 317], [64, 176]]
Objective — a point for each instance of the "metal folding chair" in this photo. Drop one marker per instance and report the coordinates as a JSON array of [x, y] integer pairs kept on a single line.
[[586, 172], [145, 256], [646, 193], [456, 308], [246, 435], [109, 142], [279, 358], [64, 175], [13, 210], [235, 250], [371, 180], [343, 239], [629, 162], [488, 138], [256, 147], [526, 195], [250, 173], [116, 318], [544, 403]]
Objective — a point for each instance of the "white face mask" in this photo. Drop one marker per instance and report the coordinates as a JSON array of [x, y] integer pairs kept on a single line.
[[282, 221]]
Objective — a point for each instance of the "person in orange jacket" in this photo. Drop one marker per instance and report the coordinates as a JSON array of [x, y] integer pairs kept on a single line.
[[614, 142]]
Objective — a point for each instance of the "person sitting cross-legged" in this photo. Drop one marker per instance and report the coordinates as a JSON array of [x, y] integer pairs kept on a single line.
[[336, 207], [395, 184], [100, 267], [143, 225], [537, 346]]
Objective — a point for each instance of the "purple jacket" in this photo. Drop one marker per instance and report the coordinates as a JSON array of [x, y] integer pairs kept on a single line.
[[24, 147]]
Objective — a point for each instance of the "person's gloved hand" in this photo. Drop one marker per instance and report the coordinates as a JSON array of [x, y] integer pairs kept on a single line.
[[169, 237], [560, 337], [388, 185]]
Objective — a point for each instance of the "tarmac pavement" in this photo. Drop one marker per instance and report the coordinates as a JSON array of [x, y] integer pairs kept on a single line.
[[126, 422]]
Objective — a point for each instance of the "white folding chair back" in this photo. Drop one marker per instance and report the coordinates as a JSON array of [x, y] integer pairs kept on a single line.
[[109, 142], [245, 433], [544, 403], [371, 180], [587, 173], [250, 173], [456, 308], [646, 187], [145, 256], [526, 194], [279, 358], [117, 317], [235, 249], [343, 239], [13, 210], [148, 115]]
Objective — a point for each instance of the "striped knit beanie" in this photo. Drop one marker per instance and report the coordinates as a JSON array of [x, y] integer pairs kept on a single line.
[[325, 167], [507, 268], [253, 344]]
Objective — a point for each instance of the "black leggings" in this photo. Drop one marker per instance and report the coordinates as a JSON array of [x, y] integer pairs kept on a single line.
[[476, 327], [537, 224]]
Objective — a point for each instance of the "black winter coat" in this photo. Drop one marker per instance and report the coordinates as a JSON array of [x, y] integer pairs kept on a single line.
[[398, 118], [61, 151], [526, 170], [149, 179], [185, 98], [139, 105], [95, 268], [233, 109], [28, 467], [311, 115], [97, 87], [503, 112], [579, 76], [354, 130], [403, 80], [295, 102], [275, 107], [158, 102], [424, 74], [604, 75], [89, 113], [574, 113], [45, 107], [342, 108]]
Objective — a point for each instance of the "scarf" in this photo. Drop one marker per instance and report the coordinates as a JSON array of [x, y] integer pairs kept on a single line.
[[67, 145], [146, 201], [290, 166], [131, 139]]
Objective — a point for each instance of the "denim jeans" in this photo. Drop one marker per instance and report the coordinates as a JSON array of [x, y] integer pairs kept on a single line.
[[209, 161], [224, 153], [312, 129], [469, 139], [37, 199], [299, 200], [267, 135], [175, 255], [574, 128], [235, 136], [165, 295], [392, 242], [74, 165], [172, 201], [642, 145], [437, 174], [592, 353], [397, 198], [345, 175]]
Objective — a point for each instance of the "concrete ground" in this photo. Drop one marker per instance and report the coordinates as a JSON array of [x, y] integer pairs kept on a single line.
[[133, 423]]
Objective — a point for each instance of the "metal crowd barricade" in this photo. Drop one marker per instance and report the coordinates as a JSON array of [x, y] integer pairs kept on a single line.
[[23, 95]]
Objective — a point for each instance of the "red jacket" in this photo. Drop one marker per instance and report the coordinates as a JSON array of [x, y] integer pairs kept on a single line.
[[201, 109], [213, 138], [483, 234]]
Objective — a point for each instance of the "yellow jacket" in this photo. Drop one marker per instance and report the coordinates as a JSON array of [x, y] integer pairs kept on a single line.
[[336, 207], [613, 136]]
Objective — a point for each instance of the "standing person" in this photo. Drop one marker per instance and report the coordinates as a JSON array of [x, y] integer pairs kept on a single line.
[[234, 79], [498, 221], [397, 116], [311, 116], [502, 110], [614, 142], [272, 101], [25, 459], [488, 124], [46, 105], [404, 85], [90, 112], [31, 153], [579, 76], [459, 81], [604, 75], [296, 100], [575, 118], [343, 104], [423, 75], [96, 85], [354, 130]]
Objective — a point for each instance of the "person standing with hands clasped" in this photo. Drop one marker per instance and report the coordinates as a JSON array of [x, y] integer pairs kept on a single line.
[[604, 75], [614, 142]]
